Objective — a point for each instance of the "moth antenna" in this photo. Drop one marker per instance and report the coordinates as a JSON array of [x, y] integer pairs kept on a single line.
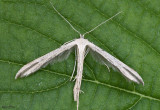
[[102, 23], [64, 18]]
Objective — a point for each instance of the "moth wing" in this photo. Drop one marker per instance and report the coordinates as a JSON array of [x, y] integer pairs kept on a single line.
[[107, 59], [59, 54]]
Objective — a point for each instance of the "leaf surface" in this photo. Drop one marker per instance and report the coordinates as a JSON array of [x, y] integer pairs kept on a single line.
[[31, 28]]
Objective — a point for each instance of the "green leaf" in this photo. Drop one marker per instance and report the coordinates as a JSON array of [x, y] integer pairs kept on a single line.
[[31, 28]]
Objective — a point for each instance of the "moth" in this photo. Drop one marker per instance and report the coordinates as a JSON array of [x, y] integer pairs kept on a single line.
[[82, 47]]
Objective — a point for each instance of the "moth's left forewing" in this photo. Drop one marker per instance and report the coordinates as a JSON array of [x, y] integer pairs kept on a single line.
[[109, 60], [58, 54]]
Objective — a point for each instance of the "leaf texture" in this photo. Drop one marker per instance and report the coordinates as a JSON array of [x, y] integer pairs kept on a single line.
[[31, 28]]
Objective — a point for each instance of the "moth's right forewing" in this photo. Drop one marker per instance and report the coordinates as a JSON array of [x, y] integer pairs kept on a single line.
[[56, 55], [125, 70]]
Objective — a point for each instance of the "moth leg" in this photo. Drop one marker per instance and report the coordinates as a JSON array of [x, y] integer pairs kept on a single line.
[[74, 65], [86, 52], [81, 91], [75, 78], [68, 42], [107, 67]]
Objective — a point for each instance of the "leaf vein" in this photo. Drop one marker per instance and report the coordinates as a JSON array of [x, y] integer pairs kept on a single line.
[[134, 104], [129, 31], [87, 80]]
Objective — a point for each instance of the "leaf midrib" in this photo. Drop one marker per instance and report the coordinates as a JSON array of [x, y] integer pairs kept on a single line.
[[97, 82], [91, 81]]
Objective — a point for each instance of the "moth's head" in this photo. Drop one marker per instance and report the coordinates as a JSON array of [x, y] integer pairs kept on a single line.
[[81, 36]]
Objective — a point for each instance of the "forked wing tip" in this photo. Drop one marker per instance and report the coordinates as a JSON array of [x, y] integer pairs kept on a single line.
[[20, 74], [139, 81], [17, 75], [142, 82]]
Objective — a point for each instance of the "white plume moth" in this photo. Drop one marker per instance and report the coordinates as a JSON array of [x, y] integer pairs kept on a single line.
[[82, 47]]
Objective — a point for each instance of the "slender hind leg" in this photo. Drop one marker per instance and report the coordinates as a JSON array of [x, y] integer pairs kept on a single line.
[[86, 52], [80, 61], [107, 67], [74, 65]]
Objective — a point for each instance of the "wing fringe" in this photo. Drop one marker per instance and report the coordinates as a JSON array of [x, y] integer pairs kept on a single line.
[[57, 55], [107, 59]]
